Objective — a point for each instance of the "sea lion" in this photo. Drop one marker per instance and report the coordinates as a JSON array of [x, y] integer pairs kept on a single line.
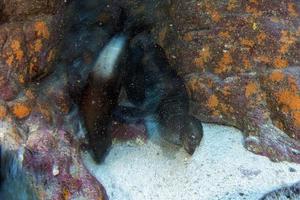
[[93, 44], [152, 87], [100, 95]]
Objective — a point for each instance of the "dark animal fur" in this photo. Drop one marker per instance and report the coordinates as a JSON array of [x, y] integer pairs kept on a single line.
[[149, 82], [154, 88], [100, 96]]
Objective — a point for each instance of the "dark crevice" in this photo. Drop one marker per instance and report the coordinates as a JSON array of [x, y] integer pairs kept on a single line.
[[3, 17]]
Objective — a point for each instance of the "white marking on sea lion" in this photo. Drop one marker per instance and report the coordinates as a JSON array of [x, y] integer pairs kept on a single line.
[[109, 57]]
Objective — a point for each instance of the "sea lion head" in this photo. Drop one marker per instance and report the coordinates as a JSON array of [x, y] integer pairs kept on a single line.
[[191, 134]]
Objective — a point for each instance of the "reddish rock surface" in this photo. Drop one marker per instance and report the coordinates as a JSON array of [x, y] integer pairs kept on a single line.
[[125, 132], [55, 157], [35, 107]]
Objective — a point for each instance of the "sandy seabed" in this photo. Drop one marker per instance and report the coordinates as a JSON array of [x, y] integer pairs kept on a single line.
[[220, 169]]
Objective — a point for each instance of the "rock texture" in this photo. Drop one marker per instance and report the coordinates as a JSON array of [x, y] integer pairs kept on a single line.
[[35, 107], [288, 192]]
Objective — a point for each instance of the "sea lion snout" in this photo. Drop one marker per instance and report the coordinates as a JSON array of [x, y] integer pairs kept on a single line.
[[191, 135]]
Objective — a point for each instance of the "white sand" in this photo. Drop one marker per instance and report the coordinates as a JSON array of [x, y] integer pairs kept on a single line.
[[221, 168]]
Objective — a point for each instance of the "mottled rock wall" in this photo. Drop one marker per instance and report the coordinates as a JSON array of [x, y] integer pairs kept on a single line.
[[241, 62], [35, 108]]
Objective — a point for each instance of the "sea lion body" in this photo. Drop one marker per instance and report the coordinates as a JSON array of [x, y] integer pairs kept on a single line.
[[154, 88], [100, 95]]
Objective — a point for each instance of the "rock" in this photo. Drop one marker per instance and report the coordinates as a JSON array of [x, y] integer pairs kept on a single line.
[[289, 192], [129, 131], [35, 103], [56, 156]]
